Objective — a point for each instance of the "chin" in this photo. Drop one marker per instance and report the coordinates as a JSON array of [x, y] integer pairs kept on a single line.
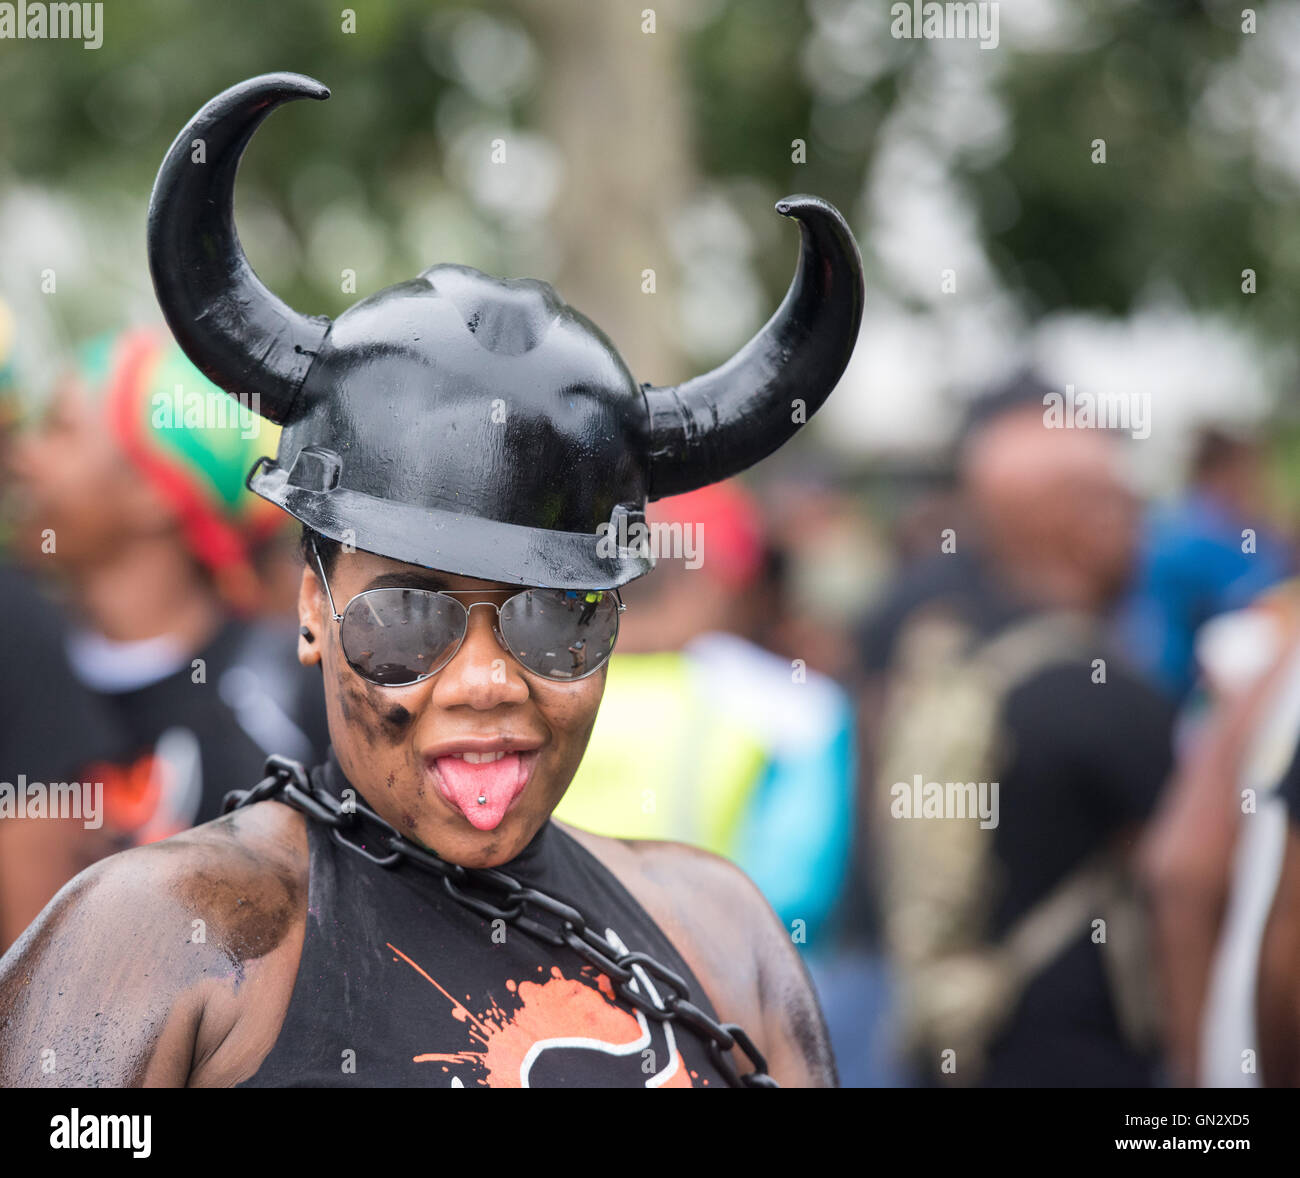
[[460, 843]]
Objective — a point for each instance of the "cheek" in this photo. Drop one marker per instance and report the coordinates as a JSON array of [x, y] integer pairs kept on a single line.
[[81, 505], [90, 493], [54, 481], [85, 465], [570, 713], [374, 715]]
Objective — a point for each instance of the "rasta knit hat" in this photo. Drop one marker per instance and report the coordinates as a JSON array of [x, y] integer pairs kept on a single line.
[[191, 442], [8, 333]]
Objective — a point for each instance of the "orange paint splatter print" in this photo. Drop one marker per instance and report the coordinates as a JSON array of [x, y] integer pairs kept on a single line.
[[529, 1038]]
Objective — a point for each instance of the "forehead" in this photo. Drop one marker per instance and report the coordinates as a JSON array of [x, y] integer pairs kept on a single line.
[[368, 571], [78, 415], [69, 398]]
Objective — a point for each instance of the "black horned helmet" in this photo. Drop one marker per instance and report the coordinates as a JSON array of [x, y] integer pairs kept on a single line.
[[467, 423]]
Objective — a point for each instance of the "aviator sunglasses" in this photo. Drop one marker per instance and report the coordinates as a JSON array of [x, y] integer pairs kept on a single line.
[[395, 637]]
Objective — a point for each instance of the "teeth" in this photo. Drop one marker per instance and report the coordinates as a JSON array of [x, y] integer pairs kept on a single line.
[[480, 758]]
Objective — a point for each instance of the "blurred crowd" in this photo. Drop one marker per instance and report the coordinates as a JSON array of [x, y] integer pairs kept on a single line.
[[1012, 752]]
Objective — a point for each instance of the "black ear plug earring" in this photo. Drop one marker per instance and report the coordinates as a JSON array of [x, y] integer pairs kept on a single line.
[[307, 634]]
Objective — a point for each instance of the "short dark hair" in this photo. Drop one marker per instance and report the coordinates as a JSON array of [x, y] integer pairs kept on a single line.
[[1024, 388], [329, 549], [1215, 449]]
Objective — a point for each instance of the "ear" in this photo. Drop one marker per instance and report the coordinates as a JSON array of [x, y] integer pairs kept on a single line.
[[313, 616]]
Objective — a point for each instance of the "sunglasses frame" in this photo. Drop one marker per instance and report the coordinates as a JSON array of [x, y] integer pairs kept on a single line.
[[452, 595]]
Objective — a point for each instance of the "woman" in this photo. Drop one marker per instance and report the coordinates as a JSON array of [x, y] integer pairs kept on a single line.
[[471, 460]]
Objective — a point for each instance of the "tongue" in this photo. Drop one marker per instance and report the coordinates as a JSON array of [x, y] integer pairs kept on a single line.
[[496, 782]]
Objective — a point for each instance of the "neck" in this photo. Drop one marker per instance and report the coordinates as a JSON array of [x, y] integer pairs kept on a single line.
[[148, 589], [1050, 586]]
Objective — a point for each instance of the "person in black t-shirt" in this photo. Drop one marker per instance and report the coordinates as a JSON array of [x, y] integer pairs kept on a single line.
[[51, 728], [130, 493], [1085, 768], [1079, 748]]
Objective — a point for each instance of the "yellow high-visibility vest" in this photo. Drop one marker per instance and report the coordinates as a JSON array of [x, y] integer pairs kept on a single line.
[[662, 762]]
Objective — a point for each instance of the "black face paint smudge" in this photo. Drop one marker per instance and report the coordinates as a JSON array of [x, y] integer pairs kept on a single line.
[[367, 708], [359, 708], [397, 719], [346, 700]]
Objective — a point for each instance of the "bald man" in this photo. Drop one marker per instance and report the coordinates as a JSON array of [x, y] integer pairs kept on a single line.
[[1078, 746], [1054, 509]]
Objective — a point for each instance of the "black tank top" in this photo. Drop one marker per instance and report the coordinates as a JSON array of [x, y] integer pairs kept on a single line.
[[401, 986]]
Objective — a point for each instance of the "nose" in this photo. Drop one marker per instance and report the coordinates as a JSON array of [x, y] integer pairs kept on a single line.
[[483, 675]]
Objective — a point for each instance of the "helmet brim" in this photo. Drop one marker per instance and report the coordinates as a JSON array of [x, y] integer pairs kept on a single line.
[[451, 541]]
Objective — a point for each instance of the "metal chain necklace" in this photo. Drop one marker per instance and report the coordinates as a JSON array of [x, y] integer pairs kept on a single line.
[[495, 895]]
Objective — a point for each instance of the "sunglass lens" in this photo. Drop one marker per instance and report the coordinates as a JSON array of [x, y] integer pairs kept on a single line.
[[561, 634], [399, 636]]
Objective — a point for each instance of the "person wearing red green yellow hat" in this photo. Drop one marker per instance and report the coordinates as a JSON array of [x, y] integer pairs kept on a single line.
[[179, 449], [49, 724], [6, 350], [129, 494], [8, 400]]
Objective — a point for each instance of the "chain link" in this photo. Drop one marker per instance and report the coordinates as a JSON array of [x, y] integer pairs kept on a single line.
[[495, 895]]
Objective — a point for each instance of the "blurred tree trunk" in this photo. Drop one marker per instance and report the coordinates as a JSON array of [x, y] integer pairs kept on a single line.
[[612, 101]]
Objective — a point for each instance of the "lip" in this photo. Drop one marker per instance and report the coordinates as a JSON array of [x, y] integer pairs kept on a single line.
[[480, 744]]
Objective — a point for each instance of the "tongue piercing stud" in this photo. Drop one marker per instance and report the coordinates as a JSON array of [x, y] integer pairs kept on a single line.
[[482, 799]]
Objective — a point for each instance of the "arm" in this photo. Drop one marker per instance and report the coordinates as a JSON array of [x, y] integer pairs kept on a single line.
[[1186, 866], [166, 965], [746, 960], [793, 1030], [37, 857], [1278, 996], [100, 991]]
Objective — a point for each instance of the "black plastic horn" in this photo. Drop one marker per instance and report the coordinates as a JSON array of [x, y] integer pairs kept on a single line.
[[237, 332], [724, 421]]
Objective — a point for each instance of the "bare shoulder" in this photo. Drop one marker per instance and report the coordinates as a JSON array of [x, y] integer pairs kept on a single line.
[[705, 904], [671, 872], [234, 874], [123, 975], [734, 943], [242, 869]]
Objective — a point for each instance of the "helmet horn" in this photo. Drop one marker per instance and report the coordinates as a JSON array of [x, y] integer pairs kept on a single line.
[[236, 332], [724, 421]]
